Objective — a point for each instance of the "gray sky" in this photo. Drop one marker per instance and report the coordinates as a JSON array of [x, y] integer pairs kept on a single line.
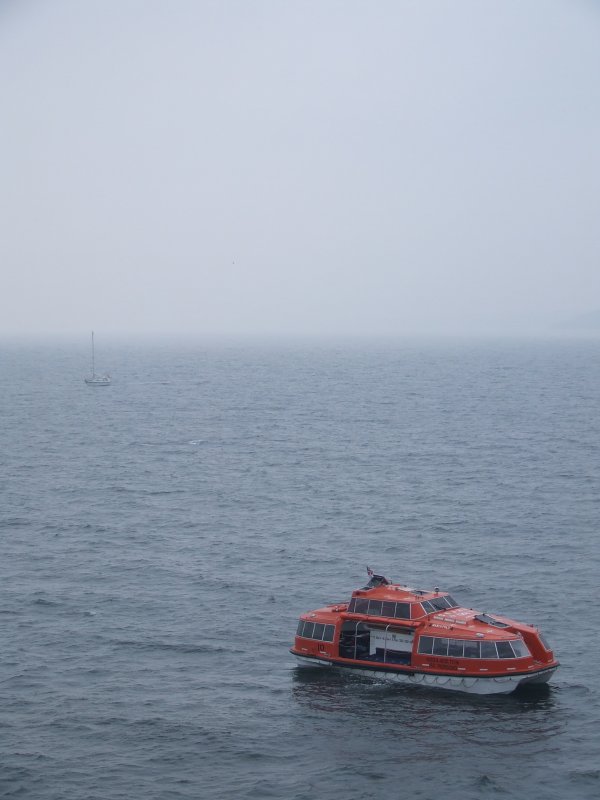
[[380, 167]]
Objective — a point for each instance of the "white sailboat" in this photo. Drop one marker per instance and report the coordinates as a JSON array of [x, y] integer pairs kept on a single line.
[[96, 380]]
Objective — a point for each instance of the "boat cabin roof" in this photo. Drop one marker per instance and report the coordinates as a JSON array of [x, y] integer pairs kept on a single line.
[[394, 592], [328, 614], [432, 613]]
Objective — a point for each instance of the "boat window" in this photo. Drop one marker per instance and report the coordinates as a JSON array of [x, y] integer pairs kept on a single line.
[[465, 648], [455, 648], [452, 601], [308, 630], [429, 608], [544, 642], [375, 608], [426, 645], [402, 611], [488, 650], [520, 648], [504, 650], [389, 609], [316, 630], [319, 630], [440, 646], [382, 608], [471, 649]]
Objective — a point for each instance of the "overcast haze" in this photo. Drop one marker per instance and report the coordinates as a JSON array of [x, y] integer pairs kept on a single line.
[[284, 168]]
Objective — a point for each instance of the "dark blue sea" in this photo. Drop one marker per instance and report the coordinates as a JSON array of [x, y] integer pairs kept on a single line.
[[159, 538]]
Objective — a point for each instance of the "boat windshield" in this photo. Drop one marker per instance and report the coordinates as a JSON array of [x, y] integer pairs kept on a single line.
[[439, 603], [379, 608]]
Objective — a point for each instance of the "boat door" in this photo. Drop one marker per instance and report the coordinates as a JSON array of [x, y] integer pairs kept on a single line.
[[354, 640]]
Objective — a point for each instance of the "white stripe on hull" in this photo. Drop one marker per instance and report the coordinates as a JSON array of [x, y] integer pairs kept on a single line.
[[499, 685]]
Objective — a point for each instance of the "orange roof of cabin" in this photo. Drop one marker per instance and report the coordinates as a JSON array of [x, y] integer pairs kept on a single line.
[[396, 593], [454, 623]]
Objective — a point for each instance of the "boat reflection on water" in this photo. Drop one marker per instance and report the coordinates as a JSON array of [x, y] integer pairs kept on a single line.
[[424, 742], [322, 690], [396, 728]]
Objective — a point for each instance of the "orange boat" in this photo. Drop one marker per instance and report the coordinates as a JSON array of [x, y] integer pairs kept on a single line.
[[393, 632]]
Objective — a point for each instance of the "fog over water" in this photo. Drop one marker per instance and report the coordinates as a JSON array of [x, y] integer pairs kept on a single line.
[[276, 169]]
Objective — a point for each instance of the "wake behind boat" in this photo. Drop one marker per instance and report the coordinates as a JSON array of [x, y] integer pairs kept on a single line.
[[406, 635], [94, 379]]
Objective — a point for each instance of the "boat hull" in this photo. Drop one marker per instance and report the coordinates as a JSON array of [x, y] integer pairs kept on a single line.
[[501, 684]]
